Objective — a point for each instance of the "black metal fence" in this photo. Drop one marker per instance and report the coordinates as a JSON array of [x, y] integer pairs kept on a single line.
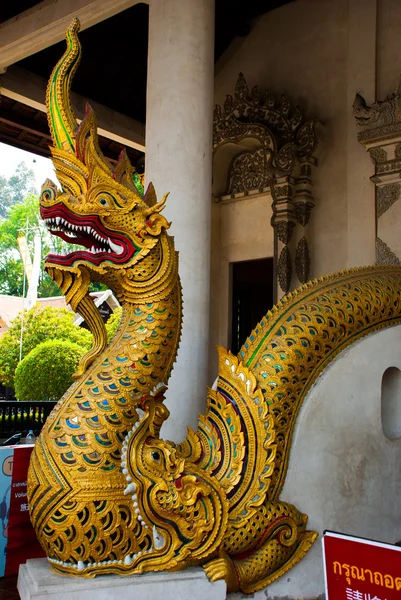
[[19, 417]]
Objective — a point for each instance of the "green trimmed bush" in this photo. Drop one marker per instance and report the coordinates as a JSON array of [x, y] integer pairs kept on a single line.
[[113, 323], [41, 324], [46, 372]]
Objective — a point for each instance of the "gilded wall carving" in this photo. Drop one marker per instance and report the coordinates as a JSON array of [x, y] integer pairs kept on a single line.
[[302, 260], [384, 256], [380, 132], [284, 231], [386, 196], [284, 270], [276, 151]]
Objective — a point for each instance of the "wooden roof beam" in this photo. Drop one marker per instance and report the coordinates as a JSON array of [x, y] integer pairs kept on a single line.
[[30, 89], [45, 24]]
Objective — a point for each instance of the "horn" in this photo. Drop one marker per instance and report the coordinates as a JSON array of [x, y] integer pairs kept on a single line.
[[155, 208], [61, 118]]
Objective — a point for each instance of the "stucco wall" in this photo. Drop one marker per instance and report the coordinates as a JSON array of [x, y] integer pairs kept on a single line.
[[343, 472], [301, 50], [320, 53], [388, 47]]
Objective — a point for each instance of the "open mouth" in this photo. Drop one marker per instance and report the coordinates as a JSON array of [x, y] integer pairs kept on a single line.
[[100, 243]]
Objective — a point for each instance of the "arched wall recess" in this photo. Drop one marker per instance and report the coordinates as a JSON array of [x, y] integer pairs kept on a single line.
[[280, 159], [391, 403]]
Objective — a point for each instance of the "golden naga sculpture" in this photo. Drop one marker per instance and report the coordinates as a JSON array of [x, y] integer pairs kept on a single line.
[[106, 493]]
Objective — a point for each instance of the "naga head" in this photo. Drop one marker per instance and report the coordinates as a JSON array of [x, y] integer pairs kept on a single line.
[[100, 207], [184, 508]]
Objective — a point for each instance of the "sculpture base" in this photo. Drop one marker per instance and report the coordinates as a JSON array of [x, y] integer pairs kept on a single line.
[[37, 582]]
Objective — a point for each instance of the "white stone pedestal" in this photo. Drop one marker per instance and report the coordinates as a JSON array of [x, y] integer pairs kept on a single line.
[[37, 582]]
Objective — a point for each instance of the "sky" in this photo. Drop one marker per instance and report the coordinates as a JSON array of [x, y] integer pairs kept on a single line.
[[10, 158]]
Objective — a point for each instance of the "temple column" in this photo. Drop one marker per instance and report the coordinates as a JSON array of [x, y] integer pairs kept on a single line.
[[179, 160]]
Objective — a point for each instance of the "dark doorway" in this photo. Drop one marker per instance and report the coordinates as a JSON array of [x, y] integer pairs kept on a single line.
[[252, 297]]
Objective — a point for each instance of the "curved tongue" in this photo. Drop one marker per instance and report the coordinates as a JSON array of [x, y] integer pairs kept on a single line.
[[74, 285]]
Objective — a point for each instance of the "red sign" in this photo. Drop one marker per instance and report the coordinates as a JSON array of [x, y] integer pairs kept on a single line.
[[22, 541], [359, 569]]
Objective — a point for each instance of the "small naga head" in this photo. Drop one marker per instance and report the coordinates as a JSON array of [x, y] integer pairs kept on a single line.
[[100, 207], [184, 509]]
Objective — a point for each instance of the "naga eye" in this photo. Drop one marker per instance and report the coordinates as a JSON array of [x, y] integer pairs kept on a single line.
[[156, 455], [103, 201]]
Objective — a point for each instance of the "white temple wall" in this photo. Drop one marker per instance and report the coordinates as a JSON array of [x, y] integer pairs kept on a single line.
[[388, 47], [344, 472]]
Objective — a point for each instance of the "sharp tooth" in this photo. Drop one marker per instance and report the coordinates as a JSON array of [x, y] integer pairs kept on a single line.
[[93, 249], [115, 247], [131, 487], [81, 565], [141, 413], [127, 560], [158, 539], [57, 220]]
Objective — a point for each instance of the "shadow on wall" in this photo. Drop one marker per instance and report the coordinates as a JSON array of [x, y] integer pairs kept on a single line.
[[391, 403]]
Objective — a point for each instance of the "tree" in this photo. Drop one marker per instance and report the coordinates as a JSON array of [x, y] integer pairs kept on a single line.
[[40, 325], [43, 324], [11, 268], [46, 372], [113, 323], [16, 188]]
